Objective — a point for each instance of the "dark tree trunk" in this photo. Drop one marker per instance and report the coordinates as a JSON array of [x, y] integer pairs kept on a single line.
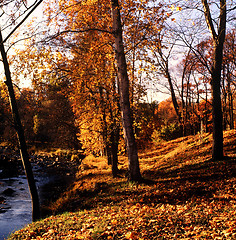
[[231, 111], [224, 94], [218, 41], [115, 134], [230, 101], [173, 96], [20, 135], [134, 170], [206, 115], [114, 150], [104, 128], [217, 115]]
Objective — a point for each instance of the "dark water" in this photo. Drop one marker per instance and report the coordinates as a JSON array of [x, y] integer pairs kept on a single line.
[[16, 212]]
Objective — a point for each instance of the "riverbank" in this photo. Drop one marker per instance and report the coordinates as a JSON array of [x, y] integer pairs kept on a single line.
[[57, 170], [53, 174], [60, 171], [191, 197]]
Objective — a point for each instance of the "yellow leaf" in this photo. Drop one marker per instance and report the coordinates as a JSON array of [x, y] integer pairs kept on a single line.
[[131, 235], [113, 221], [172, 7]]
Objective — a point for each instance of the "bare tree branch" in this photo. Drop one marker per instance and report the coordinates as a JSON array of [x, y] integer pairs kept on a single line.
[[209, 19], [34, 6]]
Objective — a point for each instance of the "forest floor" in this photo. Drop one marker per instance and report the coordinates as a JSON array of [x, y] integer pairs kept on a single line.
[[188, 197]]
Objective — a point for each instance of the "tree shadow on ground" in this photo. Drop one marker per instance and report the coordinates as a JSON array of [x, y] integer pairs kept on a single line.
[[196, 182], [208, 170], [200, 180]]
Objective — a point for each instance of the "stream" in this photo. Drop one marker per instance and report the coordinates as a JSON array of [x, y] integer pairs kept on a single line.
[[15, 210], [52, 172]]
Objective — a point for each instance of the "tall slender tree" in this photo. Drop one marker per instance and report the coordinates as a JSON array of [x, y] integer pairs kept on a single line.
[[218, 38], [134, 169], [20, 135], [15, 11]]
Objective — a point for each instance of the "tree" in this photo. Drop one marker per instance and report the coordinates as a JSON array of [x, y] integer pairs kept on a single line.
[[16, 117], [87, 27], [194, 87], [134, 170], [228, 79], [201, 60], [20, 134], [163, 64], [191, 33], [83, 69], [82, 37], [2, 117], [218, 38]]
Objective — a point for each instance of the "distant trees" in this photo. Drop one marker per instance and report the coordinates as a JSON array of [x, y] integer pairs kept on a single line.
[[200, 73], [197, 85], [49, 121], [146, 121], [228, 79], [2, 115]]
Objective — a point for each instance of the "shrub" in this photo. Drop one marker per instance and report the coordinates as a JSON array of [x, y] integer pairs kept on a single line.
[[167, 132]]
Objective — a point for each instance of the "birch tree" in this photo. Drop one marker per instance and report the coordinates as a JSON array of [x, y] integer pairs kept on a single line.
[[134, 170]]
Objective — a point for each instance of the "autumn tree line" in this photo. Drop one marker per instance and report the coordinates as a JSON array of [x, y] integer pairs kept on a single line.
[[91, 65], [74, 98]]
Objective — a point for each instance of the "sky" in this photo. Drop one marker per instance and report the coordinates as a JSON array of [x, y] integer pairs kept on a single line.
[[38, 15]]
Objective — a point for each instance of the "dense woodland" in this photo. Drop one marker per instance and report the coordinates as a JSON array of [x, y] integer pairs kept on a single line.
[[74, 97], [92, 66]]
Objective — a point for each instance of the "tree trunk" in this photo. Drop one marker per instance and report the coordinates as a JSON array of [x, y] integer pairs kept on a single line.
[[230, 101], [218, 41], [134, 170], [114, 150], [104, 128], [206, 110], [165, 70], [172, 91], [20, 135], [217, 151]]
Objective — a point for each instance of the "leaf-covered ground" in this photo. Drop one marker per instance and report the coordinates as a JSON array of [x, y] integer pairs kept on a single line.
[[188, 197]]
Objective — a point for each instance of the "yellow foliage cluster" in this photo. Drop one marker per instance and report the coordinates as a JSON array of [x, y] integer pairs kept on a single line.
[[89, 2]]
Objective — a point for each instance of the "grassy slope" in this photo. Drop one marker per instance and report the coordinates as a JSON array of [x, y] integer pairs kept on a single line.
[[190, 197]]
